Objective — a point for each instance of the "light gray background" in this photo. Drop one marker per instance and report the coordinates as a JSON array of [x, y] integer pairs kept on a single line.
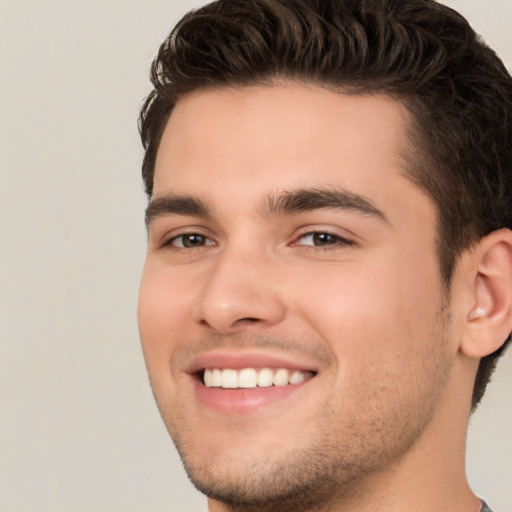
[[78, 428]]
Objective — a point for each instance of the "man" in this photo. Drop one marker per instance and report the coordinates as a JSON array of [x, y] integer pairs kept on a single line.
[[328, 282]]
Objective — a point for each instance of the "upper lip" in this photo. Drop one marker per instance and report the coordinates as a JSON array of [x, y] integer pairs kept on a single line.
[[240, 360]]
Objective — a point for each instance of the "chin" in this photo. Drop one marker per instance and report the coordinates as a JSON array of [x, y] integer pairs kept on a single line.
[[296, 482]]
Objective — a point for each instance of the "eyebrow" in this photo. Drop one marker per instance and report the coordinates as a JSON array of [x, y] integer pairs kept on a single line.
[[176, 205], [285, 203], [304, 200]]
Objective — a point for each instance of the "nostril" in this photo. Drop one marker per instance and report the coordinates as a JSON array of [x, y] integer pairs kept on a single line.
[[239, 321]]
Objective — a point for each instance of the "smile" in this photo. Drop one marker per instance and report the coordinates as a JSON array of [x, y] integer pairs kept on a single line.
[[231, 382], [250, 378]]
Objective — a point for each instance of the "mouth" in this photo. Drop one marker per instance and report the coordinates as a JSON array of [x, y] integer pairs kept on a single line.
[[251, 378], [243, 383]]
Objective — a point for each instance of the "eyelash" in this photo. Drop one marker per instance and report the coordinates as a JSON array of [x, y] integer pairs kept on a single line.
[[208, 242], [169, 242], [339, 241]]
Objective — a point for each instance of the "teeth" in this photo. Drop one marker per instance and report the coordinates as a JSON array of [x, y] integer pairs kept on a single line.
[[208, 380], [229, 379], [216, 378], [281, 377], [265, 378], [297, 377], [249, 378]]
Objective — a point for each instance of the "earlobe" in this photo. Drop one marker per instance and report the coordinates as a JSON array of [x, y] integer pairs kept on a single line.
[[489, 320], [477, 313]]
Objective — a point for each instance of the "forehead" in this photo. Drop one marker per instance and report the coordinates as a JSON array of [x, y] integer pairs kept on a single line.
[[233, 144]]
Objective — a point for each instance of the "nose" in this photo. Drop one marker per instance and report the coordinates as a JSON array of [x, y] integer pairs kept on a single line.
[[240, 291]]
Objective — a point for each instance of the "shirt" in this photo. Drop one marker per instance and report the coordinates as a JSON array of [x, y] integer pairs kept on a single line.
[[485, 507]]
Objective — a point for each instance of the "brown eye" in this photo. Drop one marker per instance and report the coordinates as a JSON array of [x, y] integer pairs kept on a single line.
[[321, 239], [324, 239], [190, 241]]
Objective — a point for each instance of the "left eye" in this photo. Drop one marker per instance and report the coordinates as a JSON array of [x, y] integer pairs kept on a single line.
[[319, 239], [190, 241]]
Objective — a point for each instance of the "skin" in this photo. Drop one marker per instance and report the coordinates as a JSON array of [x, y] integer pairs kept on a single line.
[[382, 424]]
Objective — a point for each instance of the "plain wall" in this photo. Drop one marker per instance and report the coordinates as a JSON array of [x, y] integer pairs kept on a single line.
[[79, 431]]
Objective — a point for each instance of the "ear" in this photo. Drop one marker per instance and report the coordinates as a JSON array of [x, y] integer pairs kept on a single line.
[[489, 308]]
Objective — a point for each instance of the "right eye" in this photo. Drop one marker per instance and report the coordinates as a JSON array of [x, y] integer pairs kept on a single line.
[[190, 241]]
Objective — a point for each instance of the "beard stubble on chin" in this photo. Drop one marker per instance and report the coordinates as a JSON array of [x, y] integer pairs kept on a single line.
[[391, 411], [313, 478], [303, 481]]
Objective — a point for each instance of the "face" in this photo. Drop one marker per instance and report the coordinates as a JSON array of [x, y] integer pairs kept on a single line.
[[291, 310]]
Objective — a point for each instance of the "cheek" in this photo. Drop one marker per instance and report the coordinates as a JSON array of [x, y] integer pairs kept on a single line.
[[161, 310], [160, 315], [371, 312], [383, 330]]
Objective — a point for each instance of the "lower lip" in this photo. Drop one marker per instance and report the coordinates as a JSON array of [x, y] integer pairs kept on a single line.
[[244, 401]]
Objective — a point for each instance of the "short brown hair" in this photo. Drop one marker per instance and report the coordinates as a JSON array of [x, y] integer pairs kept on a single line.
[[420, 52]]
